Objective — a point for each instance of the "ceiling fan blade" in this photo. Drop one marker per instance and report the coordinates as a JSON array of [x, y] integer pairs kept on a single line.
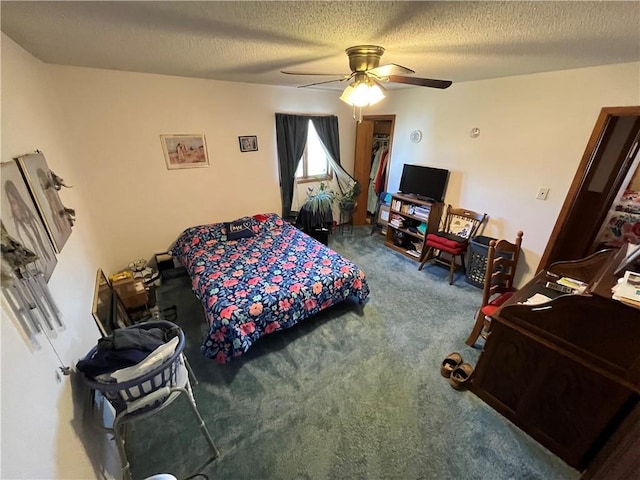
[[390, 69], [288, 72], [422, 82], [378, 83], [327, 81]]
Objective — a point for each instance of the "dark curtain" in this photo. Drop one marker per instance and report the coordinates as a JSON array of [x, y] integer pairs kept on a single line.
[[327, 128], [291, 137]]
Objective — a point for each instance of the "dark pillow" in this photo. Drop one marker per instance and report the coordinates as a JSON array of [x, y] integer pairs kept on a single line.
[[239, 229]]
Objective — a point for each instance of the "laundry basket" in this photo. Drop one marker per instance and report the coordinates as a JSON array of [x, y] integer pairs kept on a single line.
[[477, 260], [150, 392], [159, 380]]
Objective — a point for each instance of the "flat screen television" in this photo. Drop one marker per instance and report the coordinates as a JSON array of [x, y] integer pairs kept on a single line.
[[427, 183]]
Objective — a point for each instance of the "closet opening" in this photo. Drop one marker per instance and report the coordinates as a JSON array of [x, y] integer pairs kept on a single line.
[[374, 136]]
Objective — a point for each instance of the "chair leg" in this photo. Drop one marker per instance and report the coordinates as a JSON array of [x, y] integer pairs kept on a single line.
[[477, 329], [119, 436], [452, 268], [203, 427], [427, 257], [190, 371]]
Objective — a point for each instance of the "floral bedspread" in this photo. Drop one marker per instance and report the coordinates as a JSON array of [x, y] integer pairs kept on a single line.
[[254, 286]]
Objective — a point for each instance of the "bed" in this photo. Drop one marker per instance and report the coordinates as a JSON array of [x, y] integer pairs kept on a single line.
[[268, 279]]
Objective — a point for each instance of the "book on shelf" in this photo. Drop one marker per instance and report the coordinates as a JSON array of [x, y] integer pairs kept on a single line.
[[396, 221]]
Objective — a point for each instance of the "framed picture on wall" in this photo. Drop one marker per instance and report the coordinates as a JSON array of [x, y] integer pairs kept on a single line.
[[21, 220], [43, 189], [184, 151], [248, 143]]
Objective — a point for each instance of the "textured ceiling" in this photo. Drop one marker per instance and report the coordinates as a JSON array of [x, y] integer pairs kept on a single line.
[[247, 41]]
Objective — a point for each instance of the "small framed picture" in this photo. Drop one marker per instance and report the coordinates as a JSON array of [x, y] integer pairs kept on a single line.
[[184, 151], [248, 143]]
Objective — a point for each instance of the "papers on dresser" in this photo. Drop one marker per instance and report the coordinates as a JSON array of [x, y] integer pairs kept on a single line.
[[536, 299], [628, 289], [576, 285]]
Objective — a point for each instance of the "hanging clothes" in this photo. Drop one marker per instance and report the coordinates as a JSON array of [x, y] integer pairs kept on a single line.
[[372, 197], [382, 170]]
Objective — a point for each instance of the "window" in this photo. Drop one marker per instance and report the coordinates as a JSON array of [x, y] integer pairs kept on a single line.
[[313, 165]]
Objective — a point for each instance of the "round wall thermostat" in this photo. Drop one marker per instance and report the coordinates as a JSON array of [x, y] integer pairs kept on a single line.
[[474, 133], [416, 136]]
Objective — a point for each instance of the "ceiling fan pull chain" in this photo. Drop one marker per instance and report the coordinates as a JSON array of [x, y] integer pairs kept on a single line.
[[357, 113]]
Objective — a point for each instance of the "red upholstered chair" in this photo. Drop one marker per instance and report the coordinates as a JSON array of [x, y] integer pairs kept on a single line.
[[460, 226], [502, 260]]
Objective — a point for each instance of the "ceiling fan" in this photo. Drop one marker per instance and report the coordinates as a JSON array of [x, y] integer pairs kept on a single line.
[[368, 76]]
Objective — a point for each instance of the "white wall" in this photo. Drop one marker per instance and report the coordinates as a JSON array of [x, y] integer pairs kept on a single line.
[[534, 130], [41, 431], [115, 120]]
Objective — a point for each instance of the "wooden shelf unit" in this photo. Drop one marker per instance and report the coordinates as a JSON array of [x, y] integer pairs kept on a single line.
[[402, 206]]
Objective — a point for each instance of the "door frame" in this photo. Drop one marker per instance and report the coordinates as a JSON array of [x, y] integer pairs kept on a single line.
[[560, 240], [362, 160]]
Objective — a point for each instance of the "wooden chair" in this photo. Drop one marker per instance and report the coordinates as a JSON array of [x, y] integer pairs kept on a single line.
[[502, 260], [460, 226]]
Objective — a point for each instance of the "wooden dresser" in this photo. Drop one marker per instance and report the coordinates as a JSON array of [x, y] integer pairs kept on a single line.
[[567, 372]]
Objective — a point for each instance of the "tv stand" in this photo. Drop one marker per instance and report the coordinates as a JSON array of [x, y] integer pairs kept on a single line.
[[418, 197], [425, 199], [406, 212]]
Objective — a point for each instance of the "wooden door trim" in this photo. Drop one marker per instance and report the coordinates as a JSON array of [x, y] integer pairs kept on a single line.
[[360, 214], [385, 118], [363, 144], [604, 117]]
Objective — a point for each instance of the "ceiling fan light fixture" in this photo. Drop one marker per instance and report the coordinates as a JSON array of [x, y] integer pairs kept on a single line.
[[362, 94]]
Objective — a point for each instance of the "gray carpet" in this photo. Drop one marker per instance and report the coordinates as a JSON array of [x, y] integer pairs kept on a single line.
[[353, 393]]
